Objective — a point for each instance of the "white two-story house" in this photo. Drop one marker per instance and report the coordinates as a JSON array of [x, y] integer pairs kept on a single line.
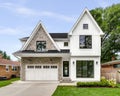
[[73, 56]]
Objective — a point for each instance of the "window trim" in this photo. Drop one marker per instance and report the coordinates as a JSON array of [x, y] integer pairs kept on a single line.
[[7, 68], [65, 44], [86, 67], [42, 48], [85, 42], [14, 68], [85, 26]]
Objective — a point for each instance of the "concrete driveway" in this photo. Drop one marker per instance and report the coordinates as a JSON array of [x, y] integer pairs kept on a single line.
[[28, 89]]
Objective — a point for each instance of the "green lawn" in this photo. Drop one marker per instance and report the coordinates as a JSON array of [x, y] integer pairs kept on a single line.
[[7, 82], [74, 91]]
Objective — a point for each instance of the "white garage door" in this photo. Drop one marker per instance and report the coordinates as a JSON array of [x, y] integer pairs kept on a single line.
[[41, 72]]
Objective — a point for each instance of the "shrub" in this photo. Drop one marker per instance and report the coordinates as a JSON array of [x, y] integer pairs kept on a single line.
[[103, 83], [112, 83]]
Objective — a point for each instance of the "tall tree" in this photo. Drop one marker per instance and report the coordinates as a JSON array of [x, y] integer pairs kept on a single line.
[[4, 55], [109, 21]]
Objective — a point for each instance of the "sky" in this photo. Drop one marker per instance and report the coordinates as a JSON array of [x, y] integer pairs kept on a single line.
[[18, 18]]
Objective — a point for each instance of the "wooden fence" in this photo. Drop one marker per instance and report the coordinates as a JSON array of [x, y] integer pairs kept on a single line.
[[111, 74]]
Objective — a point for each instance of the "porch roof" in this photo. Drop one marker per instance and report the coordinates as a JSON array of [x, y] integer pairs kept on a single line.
[[49, 53]]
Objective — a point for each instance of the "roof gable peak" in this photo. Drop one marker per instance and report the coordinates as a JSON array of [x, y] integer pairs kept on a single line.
[[85, 11], [34, 33]]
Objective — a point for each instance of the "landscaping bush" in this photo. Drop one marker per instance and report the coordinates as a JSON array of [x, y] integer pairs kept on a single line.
[[103, 83]]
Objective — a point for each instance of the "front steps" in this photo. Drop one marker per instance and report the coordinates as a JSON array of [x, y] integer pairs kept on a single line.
[[66, 80]]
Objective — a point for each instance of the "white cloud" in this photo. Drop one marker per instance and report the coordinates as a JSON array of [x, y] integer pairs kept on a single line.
[[56, 15], [104, 3], [9, 31], [30, 12], [25, 11], [13, 31]]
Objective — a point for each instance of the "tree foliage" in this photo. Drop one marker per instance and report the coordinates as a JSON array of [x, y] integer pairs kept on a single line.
[[4, 55], [109, 21]]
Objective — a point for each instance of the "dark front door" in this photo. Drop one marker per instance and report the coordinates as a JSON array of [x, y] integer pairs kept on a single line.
[[65, 68]]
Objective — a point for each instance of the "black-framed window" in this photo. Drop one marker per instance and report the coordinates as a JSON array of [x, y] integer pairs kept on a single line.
[[85, 69], [85, 26], [65, 43], [85, 41], [41, 45]]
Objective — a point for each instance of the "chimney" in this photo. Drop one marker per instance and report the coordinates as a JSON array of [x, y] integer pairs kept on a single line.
[[1, 56], [113, 58]]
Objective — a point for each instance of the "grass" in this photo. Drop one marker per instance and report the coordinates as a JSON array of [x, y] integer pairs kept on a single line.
[[7, 82], [74, 91]]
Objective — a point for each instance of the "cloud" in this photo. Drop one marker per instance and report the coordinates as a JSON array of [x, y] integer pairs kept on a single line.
[[103, 3], [30, 12], [13, 31], [56, 15]]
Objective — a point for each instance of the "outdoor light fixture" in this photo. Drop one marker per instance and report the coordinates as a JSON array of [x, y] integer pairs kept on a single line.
[[73, 62], [96, 62]]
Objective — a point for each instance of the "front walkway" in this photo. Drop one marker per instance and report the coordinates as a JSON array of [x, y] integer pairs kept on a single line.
[[28, 89]]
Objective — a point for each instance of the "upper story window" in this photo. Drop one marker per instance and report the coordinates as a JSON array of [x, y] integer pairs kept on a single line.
[[41, 45], [65, 43], [85, 41], [85, 26]]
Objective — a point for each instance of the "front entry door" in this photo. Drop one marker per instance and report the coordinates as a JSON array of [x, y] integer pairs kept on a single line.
[[65, 68]]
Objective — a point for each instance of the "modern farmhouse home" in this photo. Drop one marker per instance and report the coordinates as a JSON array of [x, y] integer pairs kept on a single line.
[[72, 56]]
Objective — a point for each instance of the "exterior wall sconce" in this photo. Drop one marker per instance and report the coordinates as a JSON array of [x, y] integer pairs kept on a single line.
[[96, 62], [73, 62]]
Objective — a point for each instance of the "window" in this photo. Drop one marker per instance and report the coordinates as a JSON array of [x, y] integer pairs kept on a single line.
[[65, 43], [46, 67], [85, 26], [41, 45], [14, 68], [30, 67], [7, 68], [85, 41], [116, 65], [38, 67], [84, 69], [53, 67]]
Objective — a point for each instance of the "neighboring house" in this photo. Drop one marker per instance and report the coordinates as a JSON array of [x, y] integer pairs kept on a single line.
[[9, 68], [111, 70], [71, 56]]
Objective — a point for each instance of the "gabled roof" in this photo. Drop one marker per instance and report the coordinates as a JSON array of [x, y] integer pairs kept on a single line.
[[79, 19], [111, 62], [33, 34], [8, 62], [53, 35]]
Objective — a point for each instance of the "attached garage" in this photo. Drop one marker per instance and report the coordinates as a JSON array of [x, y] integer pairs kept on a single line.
[[41, 72]]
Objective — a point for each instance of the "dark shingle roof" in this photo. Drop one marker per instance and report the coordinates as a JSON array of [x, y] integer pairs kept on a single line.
[[53, 35], [49, 51], [24, 38], [59, 35]]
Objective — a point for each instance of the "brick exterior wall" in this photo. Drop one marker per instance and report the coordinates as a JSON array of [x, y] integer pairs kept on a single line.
[[41, 60], [9, 73], [41, 36]]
